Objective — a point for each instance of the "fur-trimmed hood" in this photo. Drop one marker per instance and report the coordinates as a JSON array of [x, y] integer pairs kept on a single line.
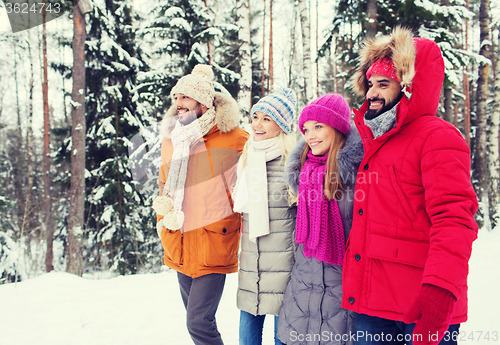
[[398, 46], [349, 158], [419, 65], [227, 115]]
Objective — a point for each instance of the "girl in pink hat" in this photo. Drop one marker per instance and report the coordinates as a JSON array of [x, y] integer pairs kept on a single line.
[[321, 170]]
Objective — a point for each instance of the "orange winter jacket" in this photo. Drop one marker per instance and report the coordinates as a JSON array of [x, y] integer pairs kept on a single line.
[[209, 238]]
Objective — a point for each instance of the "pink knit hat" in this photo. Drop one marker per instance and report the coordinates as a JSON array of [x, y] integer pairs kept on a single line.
[[331, 109], [383, 66]]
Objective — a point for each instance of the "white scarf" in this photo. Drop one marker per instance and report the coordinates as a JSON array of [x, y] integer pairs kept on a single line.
[[169, 205], [252, 194]]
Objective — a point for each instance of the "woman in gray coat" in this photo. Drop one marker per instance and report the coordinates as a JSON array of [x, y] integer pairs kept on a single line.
[[267, 241], [311, 312]]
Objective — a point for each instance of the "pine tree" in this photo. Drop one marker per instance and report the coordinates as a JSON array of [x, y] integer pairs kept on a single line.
[[8, 238], [118, 220], [175, 37]]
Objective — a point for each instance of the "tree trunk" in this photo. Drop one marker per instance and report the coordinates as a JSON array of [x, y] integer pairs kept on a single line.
[[77, 189], [29, 204], [209, 46], [455, 110], [448, 105], [481, 116], [334, 53], [271, 63], [19, 158], [305, 28], [245, 93], [466, 86], [263, 76], [47, 204], [293, 49], [372, 17], [493, 152], [317, 39]]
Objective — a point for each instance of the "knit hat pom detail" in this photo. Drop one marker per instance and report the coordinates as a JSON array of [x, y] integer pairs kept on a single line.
[[288, 94], [197, 85], [203, 70]]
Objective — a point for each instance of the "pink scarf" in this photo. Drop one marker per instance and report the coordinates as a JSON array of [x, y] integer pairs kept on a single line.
[[319, 225]]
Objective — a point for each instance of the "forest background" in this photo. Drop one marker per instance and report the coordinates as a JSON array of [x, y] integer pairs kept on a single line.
[[82, 95]]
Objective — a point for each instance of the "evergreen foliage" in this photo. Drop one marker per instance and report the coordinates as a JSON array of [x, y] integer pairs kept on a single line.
[[117, 216], [176, 35]]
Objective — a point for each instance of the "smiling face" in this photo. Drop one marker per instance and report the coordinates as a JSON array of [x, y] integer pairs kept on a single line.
[[383, 94], [264, 127], [188, 109], [318, 136]]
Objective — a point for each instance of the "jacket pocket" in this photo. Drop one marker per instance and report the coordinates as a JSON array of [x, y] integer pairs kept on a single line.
[[396, 250], [395, 269], [401, 195], [172, 245], [220, 243]]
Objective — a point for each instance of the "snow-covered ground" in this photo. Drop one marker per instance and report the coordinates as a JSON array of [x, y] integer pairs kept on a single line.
[[63, 309]]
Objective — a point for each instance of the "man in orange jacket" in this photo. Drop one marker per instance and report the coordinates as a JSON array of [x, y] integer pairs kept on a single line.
[[405, 269], [195, 220]]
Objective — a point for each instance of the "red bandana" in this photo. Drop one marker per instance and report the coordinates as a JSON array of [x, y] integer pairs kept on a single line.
[[383, 66]]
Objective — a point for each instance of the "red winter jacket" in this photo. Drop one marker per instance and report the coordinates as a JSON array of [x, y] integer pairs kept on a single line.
[[414, 204]]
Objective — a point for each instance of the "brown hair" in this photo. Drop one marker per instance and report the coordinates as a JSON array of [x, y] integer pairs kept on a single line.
[[333, 182]]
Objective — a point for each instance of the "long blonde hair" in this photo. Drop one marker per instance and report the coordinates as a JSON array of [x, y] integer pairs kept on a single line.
[[333, 182]]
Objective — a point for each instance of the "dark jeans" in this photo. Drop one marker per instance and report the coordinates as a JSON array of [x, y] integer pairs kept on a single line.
[[201, 297], [376, 331], [251, 327]]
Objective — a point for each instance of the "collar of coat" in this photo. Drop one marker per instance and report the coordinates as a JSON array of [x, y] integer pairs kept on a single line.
[[227, 115], [349, 158]]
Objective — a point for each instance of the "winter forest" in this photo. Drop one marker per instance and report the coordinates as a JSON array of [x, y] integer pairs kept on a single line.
[[81, 97]]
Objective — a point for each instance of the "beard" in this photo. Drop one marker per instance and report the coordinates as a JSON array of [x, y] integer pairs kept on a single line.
[[190, 115], [373, 113]]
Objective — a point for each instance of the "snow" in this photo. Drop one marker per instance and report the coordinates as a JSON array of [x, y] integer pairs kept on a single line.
[[64, 309], [181, 23]]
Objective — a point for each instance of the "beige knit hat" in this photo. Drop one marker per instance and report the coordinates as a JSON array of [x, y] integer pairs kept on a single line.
[[197, 85]]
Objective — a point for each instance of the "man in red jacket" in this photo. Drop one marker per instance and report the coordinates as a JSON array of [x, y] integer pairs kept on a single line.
[[406, 266]]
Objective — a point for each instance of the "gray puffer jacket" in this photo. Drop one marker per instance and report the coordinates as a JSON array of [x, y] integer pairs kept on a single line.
[[311, 312], [265, 266]]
